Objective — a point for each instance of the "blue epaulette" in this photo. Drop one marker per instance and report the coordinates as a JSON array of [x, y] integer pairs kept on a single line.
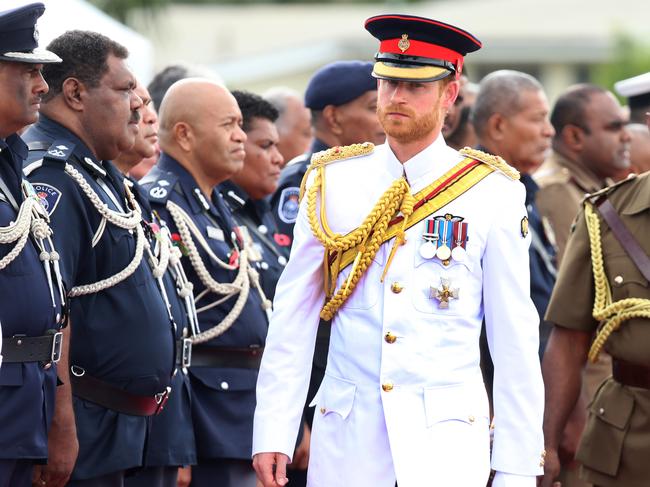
[[159, 187]]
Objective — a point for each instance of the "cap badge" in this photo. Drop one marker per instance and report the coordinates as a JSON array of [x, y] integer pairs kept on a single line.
[[404, 43], [36, 35]]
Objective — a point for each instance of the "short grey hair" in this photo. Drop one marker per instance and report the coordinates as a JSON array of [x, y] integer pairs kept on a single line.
[[500, 92], [279, 97]]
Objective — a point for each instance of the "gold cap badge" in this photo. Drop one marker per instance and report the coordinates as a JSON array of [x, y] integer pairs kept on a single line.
[[404, 43]]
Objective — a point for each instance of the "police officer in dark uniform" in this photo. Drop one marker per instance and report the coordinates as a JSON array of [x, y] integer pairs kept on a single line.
[[31, 314], [122, 339], [171, 442], [342, 97], [246, 192], [203, 145]]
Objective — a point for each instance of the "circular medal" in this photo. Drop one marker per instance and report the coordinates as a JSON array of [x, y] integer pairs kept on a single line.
[[427, 250], [443, 252], [458, 253]]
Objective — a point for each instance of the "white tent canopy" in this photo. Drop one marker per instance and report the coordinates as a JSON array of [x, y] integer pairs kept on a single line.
[[63, 15]]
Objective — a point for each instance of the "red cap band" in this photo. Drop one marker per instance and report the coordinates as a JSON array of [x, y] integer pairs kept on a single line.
[[422, 49]]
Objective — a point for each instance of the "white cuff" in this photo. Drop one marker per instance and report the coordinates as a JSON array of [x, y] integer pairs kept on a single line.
[[502, 479]]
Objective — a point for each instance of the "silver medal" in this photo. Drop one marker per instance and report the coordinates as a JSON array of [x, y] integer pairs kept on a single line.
[[458, 254], [428, 250]]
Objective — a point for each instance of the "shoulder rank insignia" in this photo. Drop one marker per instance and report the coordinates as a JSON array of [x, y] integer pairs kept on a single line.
[[493, 161], [339, 153], [60, 150], [159, 191], [594, 196]]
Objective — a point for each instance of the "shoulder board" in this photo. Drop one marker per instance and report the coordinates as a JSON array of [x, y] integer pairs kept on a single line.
[[340, 153], [592, 197], [59, 150], [158, 188], [495, 162]]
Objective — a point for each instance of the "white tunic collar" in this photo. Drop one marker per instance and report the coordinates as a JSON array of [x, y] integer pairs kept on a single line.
[[426, 166]]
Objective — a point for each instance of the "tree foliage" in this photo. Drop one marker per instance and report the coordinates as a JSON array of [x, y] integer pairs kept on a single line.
[[630, 57]]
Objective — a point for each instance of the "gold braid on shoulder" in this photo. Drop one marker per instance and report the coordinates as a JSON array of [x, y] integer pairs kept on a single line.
[[496, 162], [367, 238], [610, 314]]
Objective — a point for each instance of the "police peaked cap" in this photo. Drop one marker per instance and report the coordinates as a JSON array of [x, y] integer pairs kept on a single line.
[[19, 36], [636, 89], [418, 49], [338, 83]]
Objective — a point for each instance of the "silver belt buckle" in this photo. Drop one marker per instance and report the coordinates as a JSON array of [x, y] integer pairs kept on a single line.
[[57, 345], [186, 353]]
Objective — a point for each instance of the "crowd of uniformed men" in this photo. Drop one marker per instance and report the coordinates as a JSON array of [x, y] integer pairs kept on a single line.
[[143, 233]]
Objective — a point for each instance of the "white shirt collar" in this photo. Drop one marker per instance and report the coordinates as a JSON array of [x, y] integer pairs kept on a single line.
[[426, 166]]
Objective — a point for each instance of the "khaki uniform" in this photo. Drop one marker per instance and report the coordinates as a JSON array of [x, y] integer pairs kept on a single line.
[[563, 185], [615, 447]]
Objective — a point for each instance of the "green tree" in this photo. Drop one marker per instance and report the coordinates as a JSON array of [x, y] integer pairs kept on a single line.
[[630, 57], [120, 8]]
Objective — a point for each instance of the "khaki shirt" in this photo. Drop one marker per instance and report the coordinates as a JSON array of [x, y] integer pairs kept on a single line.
[[563, 185], [615, 446]]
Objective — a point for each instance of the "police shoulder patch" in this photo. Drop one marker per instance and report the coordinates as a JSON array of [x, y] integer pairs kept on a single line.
[[60, 150], [289, 204], [48, 195], [160, 189]]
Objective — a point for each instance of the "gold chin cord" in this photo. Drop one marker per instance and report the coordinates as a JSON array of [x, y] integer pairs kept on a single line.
[[367, 238], [610, 314]]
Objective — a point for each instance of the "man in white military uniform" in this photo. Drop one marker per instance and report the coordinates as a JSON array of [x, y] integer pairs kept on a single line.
[[409, 245]]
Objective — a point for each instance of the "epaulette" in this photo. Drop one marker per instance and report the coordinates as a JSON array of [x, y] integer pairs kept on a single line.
[[160, 187], [495, 162], [58, 151], [340, 153], [592, 197]]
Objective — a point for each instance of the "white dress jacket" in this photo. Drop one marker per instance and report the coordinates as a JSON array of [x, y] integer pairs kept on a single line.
[[410, 407]]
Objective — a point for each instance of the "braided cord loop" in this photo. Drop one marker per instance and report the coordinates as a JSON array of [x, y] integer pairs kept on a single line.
[[367, 238], [241, 285], [610, 314]]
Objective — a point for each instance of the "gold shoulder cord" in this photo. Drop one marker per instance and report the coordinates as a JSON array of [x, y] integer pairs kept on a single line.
[[368, 236], [610, 314], [493, 161]]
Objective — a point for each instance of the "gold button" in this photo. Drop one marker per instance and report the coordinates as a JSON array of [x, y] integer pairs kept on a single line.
[[396, 287], [390, 338], [387, 386], [446, 262], [323, 410], [618, 280], [471, 419]]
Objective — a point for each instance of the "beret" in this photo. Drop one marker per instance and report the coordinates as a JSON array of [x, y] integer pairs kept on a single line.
[[338, 83]]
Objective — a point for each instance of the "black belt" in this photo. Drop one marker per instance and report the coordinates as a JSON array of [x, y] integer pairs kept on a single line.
[[111, 397], [183, 352], [629, 374], [46, 348], [230, 358]]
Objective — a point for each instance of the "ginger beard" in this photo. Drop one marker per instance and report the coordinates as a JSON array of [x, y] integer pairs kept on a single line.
[[412, 127]]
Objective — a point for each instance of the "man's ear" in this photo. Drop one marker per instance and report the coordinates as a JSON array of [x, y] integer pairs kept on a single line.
[[330, 115], [573, 137], [183, 136], [74, 93], [449, 94], [496, 127]]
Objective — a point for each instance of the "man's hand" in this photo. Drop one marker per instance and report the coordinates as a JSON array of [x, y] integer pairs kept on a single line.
[[551, 470], [62, 443], [184, 476], [301, 455], [271, 469], [63, 448]]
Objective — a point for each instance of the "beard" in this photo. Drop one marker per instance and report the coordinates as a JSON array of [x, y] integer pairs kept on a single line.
[[412, 128]]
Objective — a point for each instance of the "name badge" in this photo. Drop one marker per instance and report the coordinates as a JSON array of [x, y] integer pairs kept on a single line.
[[215, 233]]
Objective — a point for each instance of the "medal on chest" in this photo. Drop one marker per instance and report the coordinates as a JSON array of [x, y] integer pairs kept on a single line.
[[445, 238]]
